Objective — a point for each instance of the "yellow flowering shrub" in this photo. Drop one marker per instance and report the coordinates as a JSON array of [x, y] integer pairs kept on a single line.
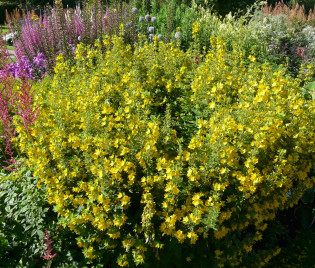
[[144, 152]]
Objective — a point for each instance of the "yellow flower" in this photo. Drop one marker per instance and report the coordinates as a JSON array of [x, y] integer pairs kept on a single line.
[[252, 58], [193, 237], [180, 236]]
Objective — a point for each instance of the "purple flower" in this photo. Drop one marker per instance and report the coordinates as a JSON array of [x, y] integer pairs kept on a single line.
[[147, 18], [153, 19], [151, 29], [134, 10], [32, 69], [160, 36], [141, 19]]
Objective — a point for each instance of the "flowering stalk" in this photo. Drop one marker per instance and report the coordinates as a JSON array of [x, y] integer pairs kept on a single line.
[[13, 102], [25, 106], [7, 99], [57, 31], [48, 256]]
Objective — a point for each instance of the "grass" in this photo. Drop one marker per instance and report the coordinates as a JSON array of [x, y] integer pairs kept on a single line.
[[4, 29]]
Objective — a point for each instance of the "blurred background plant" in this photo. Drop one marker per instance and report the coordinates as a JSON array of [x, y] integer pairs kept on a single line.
[[296, 15], [265, 30]]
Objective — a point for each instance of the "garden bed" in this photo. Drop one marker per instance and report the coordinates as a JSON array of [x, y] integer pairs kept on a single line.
[[153, 137]]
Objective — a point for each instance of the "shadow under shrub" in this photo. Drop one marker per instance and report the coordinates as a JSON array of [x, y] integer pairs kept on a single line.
[[152, 157]]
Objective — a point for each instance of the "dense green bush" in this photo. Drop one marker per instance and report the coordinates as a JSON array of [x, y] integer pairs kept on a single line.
[[155, 151], [221, 8], [279, 42], [272, 38]]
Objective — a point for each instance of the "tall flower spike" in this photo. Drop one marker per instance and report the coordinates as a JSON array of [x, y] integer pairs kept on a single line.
[[7, 100], [48, 247]]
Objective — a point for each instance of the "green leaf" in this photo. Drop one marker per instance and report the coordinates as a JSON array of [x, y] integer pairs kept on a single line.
[[308, 196], [33, 233], [40, 233], [27, 227], [311, 86], [304, 215], [24, 209], [8, 209]]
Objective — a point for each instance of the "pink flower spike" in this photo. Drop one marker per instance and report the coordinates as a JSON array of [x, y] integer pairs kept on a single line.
[[48, 247]]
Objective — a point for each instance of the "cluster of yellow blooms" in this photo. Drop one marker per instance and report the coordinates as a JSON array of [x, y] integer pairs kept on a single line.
[[126, 170]]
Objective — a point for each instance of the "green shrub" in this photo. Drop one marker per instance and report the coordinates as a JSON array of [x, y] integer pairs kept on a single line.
[[156, 157], [24, 216], [280, 42], [272, 39]]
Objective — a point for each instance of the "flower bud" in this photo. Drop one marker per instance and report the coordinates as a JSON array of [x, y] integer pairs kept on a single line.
[[134, 10], [147, 18]]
